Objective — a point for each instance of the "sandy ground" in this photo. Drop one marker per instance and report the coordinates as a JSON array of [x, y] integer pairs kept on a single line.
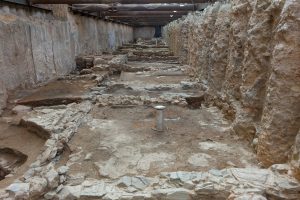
[[19, 139]]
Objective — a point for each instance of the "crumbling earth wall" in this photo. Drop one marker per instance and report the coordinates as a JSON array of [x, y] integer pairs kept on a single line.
[[248, 53], [38, 45]]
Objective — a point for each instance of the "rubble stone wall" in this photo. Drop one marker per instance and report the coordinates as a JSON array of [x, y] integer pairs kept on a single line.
[[248, 52], [38, 45]]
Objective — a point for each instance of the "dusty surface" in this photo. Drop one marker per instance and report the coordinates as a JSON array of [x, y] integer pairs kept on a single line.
[[19, 139], [121, 142], [58, 92]]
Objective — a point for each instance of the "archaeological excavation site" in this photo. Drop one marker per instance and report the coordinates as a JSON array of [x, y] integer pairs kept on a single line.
[[150, 99]]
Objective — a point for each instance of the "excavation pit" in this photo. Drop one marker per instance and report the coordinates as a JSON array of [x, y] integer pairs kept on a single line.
[[17, 149], [9, 160]]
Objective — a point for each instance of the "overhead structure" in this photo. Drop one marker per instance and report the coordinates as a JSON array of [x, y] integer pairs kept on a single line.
[[133, 12], [116, 1], [134, 7]]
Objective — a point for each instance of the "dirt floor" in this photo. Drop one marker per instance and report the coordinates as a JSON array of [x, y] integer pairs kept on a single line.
[[113, 142], [118, 142], [19, 139]]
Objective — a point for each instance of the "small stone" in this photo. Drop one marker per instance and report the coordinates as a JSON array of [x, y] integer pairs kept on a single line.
[[9, 175], [173, 194], [255, 142], [86, 71], [88, 156], [179, 195], [280, 168], [76, 179], [189, 185], [231, 164], [63, 170], [20, 109], [50, 195], [124, 182], [59, 188], [19, 190], [38, 186], [52, 178], [247, 197], [93, 189], [62, 179], [70, 192], [187, 85], [99, 60]]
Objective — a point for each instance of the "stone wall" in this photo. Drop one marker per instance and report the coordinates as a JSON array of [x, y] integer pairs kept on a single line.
[[146, 32], [248, 53], [38, 45]]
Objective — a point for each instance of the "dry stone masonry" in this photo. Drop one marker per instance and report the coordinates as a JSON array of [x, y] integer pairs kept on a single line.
[[248, 54]]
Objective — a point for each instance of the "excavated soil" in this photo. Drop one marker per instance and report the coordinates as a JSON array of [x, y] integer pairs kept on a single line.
[[18, 138], [102, 143]]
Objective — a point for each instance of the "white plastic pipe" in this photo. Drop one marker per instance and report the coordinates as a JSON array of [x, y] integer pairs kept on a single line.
[[160, 125]]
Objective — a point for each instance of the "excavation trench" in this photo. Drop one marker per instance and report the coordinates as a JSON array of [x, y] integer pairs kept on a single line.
[[99, 126]]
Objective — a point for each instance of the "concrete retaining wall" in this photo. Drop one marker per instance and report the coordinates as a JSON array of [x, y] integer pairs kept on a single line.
[[38, 45]]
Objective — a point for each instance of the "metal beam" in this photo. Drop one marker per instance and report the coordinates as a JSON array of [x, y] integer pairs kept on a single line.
[[146, 20], [144, 13], [116, 1], [142, 17], [135, 7], [154, 22]]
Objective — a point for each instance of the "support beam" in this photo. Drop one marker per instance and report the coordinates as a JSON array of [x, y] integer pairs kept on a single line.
[[116, 1], [152, 22], [145, 13], [136, 7], [144, 17], [145, 20]]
